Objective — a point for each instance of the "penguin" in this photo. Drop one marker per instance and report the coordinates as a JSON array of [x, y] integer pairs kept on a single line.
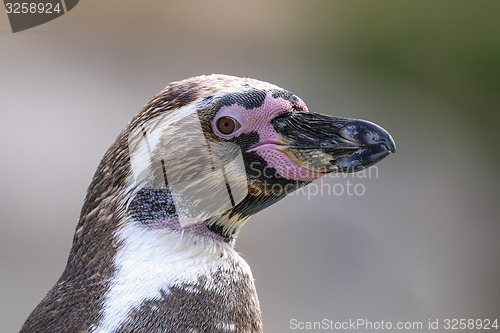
[[153, 250]]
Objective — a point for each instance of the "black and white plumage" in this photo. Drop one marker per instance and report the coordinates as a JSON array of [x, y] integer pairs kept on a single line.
[[153, 250]]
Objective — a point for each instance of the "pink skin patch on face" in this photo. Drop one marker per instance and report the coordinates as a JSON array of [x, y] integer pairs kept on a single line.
[[269, 146]]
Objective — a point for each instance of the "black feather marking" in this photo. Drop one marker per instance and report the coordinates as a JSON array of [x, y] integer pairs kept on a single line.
[[152, 205], [249, 99]]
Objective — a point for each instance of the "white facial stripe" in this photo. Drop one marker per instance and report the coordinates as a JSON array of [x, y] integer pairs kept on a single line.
[[144, 139], [154, 159]]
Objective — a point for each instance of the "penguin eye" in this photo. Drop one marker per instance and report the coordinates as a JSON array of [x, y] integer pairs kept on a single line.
[[227, 125]]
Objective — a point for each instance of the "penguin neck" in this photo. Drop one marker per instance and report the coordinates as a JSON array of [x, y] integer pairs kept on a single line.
[[162, 275]]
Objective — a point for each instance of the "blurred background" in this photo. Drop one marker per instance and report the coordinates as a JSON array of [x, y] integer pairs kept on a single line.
[[422, 242]]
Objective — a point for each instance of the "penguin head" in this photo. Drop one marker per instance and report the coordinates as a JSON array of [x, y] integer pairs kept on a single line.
[[208, 152]]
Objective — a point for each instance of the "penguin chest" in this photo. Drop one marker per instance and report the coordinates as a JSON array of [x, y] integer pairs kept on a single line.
[[164, 283]]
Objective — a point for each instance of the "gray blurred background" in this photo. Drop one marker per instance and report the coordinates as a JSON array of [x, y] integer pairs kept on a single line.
[[421, 243]]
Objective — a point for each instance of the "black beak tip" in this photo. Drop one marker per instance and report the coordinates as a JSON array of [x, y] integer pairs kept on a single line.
[[389, 144], [374, 143], [367, 133]]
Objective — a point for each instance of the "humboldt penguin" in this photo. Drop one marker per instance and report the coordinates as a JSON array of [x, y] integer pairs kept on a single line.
[[153, 250]]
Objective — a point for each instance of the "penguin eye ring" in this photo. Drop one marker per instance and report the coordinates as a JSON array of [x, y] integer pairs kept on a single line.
[[227, 125]]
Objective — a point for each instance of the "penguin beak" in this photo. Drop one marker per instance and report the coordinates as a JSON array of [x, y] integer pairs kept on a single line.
[[326, 144]]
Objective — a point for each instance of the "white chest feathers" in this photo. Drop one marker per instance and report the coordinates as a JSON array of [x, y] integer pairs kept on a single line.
[[176, 279]]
